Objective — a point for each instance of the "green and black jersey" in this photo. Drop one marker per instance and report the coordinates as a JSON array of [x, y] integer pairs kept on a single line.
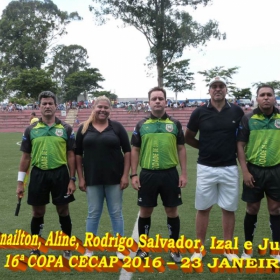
[[158, 140], [262, 136], [48, 145]]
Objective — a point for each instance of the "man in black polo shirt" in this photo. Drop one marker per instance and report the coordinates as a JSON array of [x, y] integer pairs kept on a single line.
[[217, 173]]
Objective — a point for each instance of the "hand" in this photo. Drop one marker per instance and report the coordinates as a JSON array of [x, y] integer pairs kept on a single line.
[[124, 182], [71, 187], [82, 185], [135, 183], [20, 189], [183, 180], [248, 179]]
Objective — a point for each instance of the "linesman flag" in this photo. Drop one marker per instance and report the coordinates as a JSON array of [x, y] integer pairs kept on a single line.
[[25, 182]]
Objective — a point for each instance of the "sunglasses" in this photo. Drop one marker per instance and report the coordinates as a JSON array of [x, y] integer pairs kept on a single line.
[[221, 86]]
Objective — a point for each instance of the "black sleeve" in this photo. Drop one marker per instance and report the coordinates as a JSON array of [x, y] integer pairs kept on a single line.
[[79, 142], [26, 146], [193, 123], [136, 137], [124, 140], [180, 136], [243, 132], [71, 143]]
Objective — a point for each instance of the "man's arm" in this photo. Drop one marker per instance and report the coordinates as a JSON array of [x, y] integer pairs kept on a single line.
[[135, 151], [23, 167], [247, 176], [190, 138], [182, 155], [80, 172], [72, 170]]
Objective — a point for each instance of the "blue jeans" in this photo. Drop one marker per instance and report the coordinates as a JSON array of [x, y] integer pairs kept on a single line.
[[95, 196]]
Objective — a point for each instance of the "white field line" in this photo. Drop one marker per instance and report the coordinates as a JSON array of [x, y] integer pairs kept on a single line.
[[125, 275]]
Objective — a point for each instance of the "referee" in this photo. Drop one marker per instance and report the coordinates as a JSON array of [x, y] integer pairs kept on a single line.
[[49, 146], [158, 147], [258, 145]]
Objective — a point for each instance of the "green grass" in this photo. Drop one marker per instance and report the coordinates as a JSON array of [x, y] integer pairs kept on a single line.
[[9, 162]]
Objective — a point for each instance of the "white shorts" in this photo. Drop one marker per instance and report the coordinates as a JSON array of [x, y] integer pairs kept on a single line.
[[217, 185]]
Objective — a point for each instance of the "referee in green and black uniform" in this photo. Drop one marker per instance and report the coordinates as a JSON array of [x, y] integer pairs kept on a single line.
[[48, 145]]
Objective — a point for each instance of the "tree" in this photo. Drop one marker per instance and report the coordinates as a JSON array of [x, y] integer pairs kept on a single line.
[[242, 93], [28, 29], [177, 78], [82, 82], [66, 61], [108, 94], [275, 84], [167, 28], [30, 83], [220, 71]]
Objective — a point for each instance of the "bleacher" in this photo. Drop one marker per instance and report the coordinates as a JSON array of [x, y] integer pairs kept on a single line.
[[18, 121], [129, 120]]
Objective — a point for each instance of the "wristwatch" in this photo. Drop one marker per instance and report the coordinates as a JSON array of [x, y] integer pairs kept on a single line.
[[133, 175], [73, 179]]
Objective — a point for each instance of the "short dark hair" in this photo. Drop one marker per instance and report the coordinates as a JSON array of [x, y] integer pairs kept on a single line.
[[47, 94], [33, 114], [263, 86], [157, 89]]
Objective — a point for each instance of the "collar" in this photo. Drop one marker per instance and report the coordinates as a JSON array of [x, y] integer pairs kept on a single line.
[[164, 117], [258, 111], [209, 104], [56, 121]]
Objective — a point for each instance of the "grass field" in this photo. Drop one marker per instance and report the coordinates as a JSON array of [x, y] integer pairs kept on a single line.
[[9, 162]]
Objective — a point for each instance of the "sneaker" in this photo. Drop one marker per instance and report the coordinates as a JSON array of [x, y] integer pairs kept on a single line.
[[120, 255], [196, 255], [245, 256], [142, 254], [67, 254], [88, 253], [35, 252], [176, 257], [230, 257], [277, 257]]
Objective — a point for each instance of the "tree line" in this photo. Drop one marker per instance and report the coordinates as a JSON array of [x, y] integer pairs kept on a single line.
[[31, 61]]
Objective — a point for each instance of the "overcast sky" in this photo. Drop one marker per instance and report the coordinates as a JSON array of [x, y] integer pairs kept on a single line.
[[253, 44]]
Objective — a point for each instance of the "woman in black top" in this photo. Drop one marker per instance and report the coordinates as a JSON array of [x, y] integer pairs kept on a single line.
[[103, 163]]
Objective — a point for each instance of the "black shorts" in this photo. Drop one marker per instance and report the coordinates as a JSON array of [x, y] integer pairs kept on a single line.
[[267, 181], [44, 182], [163, 182]]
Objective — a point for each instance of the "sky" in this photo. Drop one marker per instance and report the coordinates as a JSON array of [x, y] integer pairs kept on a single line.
[[253, 44]]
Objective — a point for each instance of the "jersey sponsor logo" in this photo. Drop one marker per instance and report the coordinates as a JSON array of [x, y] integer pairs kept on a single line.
[[277, 123], [169, 127], [59, 132]]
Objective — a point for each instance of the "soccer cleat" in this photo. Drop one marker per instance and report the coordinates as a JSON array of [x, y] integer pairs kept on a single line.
[[142, 254], [277, 257], [67, 254], [35, 252], [120, 255], [196, 255], [176, 257], [245, 256], [231, 257], [88, 253]]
